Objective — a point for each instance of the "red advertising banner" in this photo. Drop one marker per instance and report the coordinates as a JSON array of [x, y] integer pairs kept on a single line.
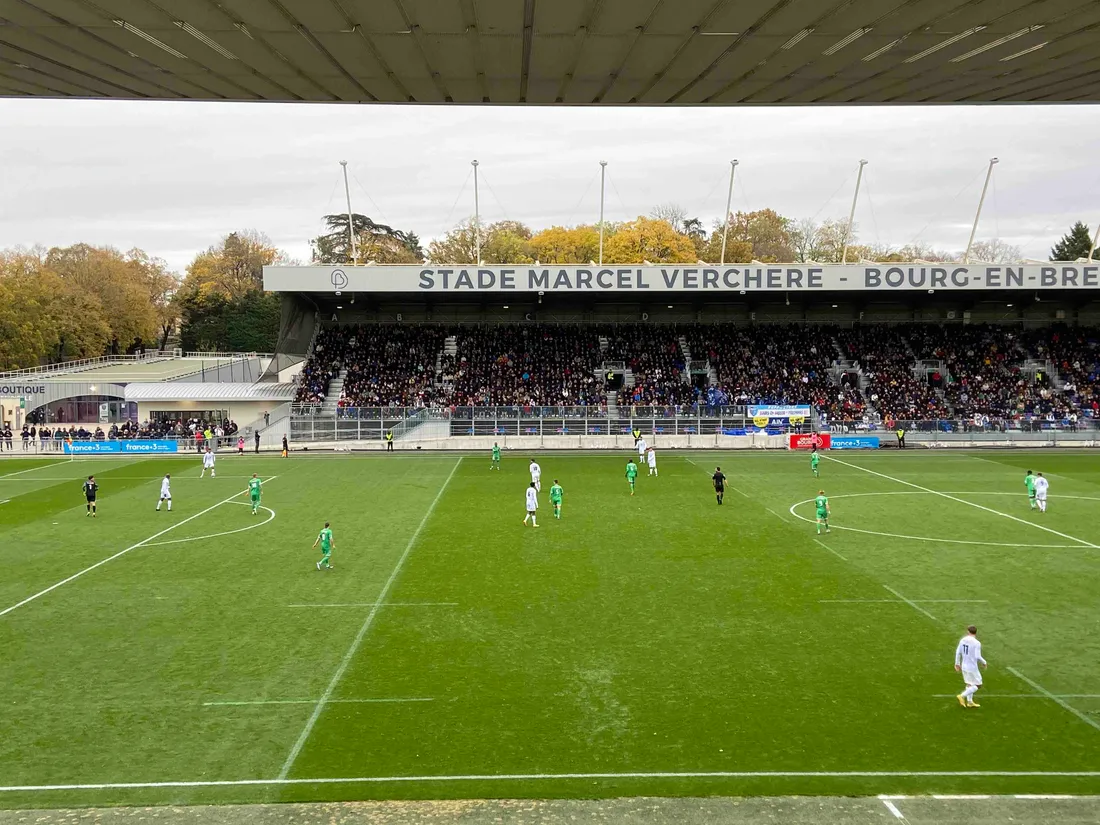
[[805, 441]]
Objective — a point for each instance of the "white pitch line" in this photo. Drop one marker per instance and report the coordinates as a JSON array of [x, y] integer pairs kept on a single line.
[[532, 777], [358, 640], [911, 603], [892, 808], [956, 797], [898, 601], [268, 520], [964, 501], [120, 553], [830, 549], [384, 604], [1056, 699], [312, 701], [39, 467], [1023, 695]]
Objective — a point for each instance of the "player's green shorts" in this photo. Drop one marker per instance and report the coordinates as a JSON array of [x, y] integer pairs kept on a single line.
[[822, 513], [255, 499], [326, 551], [555, 501]]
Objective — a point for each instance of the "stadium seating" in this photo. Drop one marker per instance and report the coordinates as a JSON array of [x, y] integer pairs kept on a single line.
[[971, 375], [526, 365]]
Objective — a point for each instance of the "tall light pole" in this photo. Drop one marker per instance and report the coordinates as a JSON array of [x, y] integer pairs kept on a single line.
[[981, 202], [477, 216], [729, 204], [351, 229], [603, 176], [1095, 238], [852, 214]]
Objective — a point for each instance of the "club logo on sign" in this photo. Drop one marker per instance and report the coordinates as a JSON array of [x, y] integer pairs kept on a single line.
[[339, 278]]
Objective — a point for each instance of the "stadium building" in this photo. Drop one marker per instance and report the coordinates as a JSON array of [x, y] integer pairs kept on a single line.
[[702, 356]]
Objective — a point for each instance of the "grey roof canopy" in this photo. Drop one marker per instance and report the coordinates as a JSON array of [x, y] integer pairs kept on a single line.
[[714, 52]]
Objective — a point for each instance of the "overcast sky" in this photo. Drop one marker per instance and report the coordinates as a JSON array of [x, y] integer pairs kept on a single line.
[[172, 177]]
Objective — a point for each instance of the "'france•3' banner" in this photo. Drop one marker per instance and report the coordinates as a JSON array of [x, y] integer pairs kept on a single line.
[[102, 447]]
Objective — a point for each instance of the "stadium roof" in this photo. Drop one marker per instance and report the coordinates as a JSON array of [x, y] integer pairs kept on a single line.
[[716, 52], [209, 392]]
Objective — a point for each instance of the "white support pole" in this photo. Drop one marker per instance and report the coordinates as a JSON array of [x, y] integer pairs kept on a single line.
[[852, 214], [729, 205], [1095, 238], [603, 176], [477, 217], [981, 202], [351, 229]]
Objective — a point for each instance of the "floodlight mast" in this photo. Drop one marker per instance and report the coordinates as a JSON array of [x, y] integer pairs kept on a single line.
[[351, 229], [981, 202], [729, 205]]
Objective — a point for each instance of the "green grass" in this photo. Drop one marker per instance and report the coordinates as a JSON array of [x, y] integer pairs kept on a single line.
[[658, 634]]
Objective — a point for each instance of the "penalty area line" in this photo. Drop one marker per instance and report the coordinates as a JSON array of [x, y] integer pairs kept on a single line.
[[531, 777], [121, 553]]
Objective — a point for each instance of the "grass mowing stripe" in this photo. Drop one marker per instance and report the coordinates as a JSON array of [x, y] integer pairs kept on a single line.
[[358, 640], [531, 777], [963, 501], [32, 469], [1061, 703], [121, 553]]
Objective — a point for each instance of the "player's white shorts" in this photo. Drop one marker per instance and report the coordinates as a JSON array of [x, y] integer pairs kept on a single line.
[[1041, 496], [972, 677]]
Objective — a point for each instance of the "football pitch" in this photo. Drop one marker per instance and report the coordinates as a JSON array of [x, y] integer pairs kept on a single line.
[[654, 645]]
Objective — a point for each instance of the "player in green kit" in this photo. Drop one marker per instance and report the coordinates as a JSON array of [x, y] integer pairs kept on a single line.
[[822, 505], [631, 474], [254, 486], [1029, 482], [324, 538], [555, 498], [815, 459], [496, 457]]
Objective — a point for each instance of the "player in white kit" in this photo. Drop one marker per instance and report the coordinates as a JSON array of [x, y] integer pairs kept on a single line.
[[642, 447], [207, 463], [536, 475], [968, 657], [532, 505], [165, 492], [1041, 485], [651, 460]]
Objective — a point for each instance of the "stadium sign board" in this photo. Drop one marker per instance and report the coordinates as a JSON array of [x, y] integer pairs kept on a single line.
[[740, 278]]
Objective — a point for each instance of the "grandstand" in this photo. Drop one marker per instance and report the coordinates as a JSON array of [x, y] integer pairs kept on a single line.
[[968, 362]]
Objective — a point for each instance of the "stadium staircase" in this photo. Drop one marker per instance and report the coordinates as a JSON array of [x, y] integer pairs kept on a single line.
[[450, 347], [685, 350], [612, 403], [333, 395]]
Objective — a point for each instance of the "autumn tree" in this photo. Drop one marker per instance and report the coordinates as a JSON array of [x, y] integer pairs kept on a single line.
[[648, 239], [737, 252], [375, 242], [766, 230], [504, 242], [567, 244], [221, 301]]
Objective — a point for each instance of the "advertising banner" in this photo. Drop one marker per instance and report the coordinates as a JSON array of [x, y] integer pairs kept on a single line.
[[101, 447], [805, 441], [796, 410], [854, 442]]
